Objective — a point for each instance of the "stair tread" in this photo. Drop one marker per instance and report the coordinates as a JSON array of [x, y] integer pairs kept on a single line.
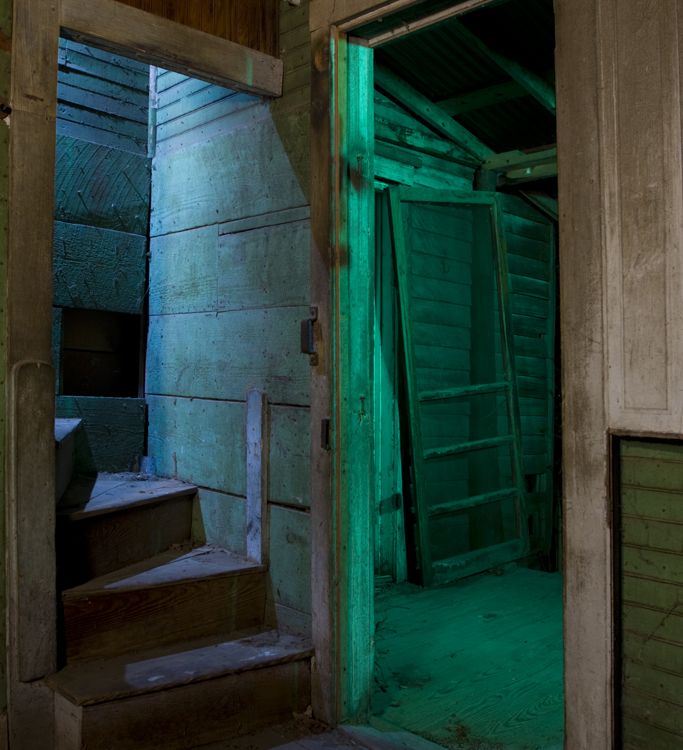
[[102, 680], [167, 568], [88, 497], [64, 427]]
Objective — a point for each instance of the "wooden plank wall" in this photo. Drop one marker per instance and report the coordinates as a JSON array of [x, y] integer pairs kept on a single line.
[[253, 24], [410, 153], [651, 608], [229, 279], [102, 187], [530, 240]]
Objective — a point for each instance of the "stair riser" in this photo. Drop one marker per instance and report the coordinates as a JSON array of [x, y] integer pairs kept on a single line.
[[118, 622], [187, 716], [92, 547]]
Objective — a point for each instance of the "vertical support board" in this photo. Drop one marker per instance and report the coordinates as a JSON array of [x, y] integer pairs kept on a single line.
[[353, 468], [258, 439]]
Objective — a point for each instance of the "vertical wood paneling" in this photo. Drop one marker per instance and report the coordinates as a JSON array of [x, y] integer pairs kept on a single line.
[[253, 24], [641, 164]]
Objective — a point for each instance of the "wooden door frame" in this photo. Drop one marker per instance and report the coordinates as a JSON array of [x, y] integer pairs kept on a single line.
[[342, 540], [29, 392]]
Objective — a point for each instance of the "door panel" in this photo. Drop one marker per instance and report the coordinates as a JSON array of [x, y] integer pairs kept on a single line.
[[464, 425]]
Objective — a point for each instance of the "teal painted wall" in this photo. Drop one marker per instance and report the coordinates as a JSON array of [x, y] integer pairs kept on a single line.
[[229, 284], [102, 188]]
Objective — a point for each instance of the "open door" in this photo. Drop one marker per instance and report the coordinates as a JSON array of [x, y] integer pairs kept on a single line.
[[468, 508]]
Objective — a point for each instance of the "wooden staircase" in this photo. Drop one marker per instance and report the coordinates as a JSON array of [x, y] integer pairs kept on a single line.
[[164, 645]]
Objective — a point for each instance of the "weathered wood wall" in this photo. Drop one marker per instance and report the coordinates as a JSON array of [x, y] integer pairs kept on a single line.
[[102, 188], [650, 521], [229, 284], [253, 24]]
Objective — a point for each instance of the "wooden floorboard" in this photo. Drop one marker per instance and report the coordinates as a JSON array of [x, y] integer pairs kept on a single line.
[[473, 665]]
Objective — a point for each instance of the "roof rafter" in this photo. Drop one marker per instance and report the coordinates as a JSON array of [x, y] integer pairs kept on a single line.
[[542, 91]]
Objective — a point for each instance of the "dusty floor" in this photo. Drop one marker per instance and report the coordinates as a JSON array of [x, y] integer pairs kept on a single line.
[[476, 665]]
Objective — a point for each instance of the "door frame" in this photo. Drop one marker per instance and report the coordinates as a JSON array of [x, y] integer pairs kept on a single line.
[[340, 169], [31, 622]]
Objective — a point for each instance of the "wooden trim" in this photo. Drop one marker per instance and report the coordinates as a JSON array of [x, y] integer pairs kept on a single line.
[[586, 472], [29, 435], [427, 21], [127, 30], [258, 442]]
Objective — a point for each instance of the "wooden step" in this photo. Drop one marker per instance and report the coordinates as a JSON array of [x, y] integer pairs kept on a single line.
[[169, 598], [65, 443], [181, 699], [113, 521]]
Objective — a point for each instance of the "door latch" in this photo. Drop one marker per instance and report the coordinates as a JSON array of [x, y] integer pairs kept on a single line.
[[308, 336]]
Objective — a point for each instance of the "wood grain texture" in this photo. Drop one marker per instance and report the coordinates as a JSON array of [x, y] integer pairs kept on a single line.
[[641, 114], [200, 271], [588, 554], [500, 685], [253, 24], [202, 440], [101, 186], [195, 193], [112, 435], [220, 355], [220, 519], [158, 41], [201, 594], [258, 465], [98, 269], [290, 558]]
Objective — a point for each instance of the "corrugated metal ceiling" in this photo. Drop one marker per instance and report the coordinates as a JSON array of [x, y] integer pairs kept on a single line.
[[442, 63]]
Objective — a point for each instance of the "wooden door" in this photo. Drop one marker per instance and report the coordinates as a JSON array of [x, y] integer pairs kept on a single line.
[[467, 491]]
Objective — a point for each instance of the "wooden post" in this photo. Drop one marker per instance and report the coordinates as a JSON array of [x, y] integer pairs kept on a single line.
[[258, 434]]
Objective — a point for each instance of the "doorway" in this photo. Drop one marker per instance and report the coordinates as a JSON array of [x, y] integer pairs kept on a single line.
[[466, 519]]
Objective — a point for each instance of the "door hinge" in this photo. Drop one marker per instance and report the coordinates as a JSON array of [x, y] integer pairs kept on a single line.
[[308, 336], [325, 434]]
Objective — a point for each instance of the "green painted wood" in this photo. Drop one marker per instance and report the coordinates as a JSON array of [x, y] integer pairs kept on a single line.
[[96, 53], [188, 191], [223, 354], [94, 98], [290, 558], [109, 130], [202, 441], [101, 186], [118, 98], [465, 439], [112, 434], [198, 270], [86, 62], [650, 576], [98, 269], [430, 112], [225, 104], [57, 347], [220, 519]]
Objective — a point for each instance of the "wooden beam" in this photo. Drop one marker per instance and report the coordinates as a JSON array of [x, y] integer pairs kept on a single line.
[[542, 91], [430, 113], [509, 160], [487, 97], [129, 31], [457, 9]]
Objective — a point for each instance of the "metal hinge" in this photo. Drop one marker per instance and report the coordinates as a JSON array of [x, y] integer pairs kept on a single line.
[[308, 336], [325, 428]]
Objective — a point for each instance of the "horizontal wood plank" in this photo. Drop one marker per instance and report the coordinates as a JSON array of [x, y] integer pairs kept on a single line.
[[98, 269]]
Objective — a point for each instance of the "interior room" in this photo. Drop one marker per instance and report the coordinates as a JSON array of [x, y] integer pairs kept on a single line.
[[468, 529]]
